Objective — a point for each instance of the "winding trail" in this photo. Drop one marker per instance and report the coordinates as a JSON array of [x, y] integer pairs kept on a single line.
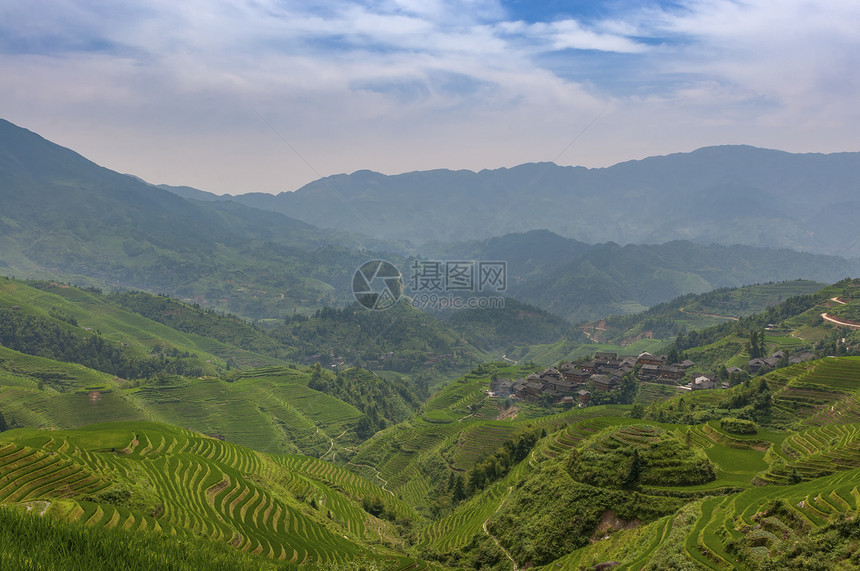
[[828, 317], [684, 310], [383, 480], [493, 537], [847, 324], [331, 445]]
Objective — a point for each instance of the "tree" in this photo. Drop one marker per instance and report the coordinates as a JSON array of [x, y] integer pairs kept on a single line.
[[674, 356], [629, 388], [794, 477], [633, 471], [459, 492], [3, 425], [755, 346]]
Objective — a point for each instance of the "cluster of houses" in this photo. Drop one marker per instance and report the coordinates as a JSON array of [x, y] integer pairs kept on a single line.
[[755, 365], [567, 384]]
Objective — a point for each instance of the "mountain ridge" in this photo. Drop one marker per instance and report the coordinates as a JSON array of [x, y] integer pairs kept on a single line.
[[729, 194]]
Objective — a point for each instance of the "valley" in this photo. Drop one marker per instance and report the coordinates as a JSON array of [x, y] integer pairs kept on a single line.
[[190, 382]]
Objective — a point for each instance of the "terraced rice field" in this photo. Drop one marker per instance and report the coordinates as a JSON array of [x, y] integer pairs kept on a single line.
[[458, 529], [479, 440], [828, 392], [738, 516], [187, 484]]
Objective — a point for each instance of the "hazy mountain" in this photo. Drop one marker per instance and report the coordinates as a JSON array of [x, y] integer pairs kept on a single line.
[[725, 194], [584, 282], [67, 217], [64, 216]]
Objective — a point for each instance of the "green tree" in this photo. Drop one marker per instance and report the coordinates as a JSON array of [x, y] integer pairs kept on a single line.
[[459, 492], [629, 388], [633, 471]]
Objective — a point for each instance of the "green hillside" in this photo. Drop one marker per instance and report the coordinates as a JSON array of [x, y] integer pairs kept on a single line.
[[697, 311], [593, 485], [504, 330], [339, 466], [89, 313], [147, 477], [654, 328], [793, 326], [67, 218]]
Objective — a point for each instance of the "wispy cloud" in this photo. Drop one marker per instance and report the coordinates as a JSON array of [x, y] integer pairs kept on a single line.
[[395, 85]]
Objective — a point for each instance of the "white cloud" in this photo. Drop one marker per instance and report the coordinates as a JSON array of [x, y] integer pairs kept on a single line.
[[396, 85]]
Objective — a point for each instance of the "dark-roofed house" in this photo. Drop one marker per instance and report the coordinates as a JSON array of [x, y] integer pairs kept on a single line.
[[565, 387], [603, 383], [756, 364], [647, 358], [584, 397], [533, 389], [551, 374], [671, 373], [701, 382], [519, 388], [574, 374], [649, 371], [502, 387], [602, 357], [801, 357]]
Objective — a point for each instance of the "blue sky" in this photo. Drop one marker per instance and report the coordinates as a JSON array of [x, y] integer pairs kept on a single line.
[[202, 92]]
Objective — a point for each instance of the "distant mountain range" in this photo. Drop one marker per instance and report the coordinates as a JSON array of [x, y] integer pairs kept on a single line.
[[726, 195], [64, 217]]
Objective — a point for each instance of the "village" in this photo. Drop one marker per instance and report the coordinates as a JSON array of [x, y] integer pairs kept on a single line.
[[569, 384]]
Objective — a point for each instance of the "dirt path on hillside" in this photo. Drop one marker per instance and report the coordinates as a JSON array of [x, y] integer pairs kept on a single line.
[[849, 324], [493, 537], [383, 480], [331, 445], [684, 310]]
